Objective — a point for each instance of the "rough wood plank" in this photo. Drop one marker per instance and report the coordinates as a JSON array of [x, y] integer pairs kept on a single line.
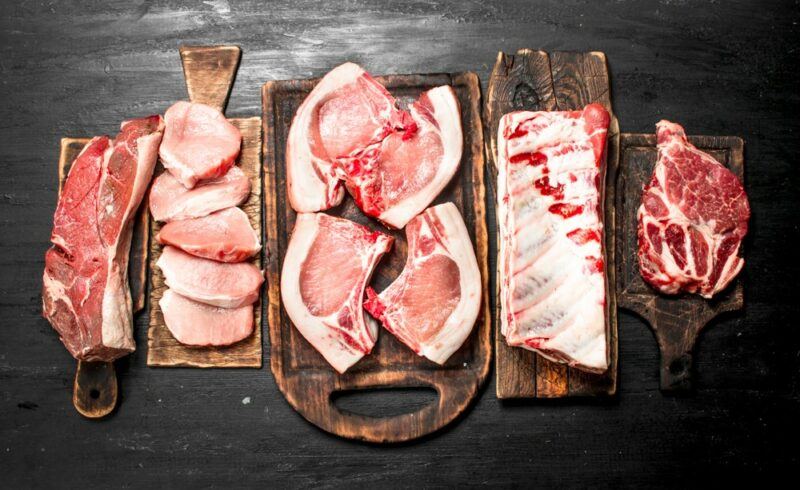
[[209, 72], [163, 350], [675, 320], [305, 379]]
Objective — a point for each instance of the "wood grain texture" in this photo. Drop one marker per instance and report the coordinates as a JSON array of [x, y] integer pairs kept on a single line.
[[538, 81], [676, 320], [209, 73], [306, 380]]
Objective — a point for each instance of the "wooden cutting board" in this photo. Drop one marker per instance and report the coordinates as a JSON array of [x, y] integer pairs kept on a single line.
[[536, 80], [94, 392], [305, 379], [676, 320], [209, 73]]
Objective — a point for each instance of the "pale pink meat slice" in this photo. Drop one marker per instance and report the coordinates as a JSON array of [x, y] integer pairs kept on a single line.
[[327, 266], [199, 142], [224, 236], [208, 281], [170, 200], [199, 324], [432, 306]]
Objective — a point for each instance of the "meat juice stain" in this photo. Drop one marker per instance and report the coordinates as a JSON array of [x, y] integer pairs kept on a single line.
[[566, 210]]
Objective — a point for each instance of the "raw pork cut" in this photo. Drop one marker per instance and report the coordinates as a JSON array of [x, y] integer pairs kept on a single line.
[[170, 200], [208, 281], [551, 261], [692, 220], [199, 143], [328, 265], [394, 162], [86, 296], [432, 306], [194, 323], [224, 236]]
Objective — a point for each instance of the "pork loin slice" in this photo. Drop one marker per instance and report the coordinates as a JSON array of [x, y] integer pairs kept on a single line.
[[224, 236], [199, 324], [692, 220], [397, 178], [85, 295], [551, 258], [395, 162], [170, 200], [328, 265], [210, 282], [199, 143], [432, 306]]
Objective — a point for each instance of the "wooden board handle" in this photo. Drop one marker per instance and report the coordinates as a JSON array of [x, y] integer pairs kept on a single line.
[[95, 391], [209, 72]]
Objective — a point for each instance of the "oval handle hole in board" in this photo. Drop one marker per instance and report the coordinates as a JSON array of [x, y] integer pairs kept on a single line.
[[384, 402]]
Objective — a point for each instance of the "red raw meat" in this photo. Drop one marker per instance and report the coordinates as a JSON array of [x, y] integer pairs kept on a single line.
[[170, 200], [224, 236]]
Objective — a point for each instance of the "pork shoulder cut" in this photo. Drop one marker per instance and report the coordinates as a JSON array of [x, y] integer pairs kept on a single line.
[[194, 323], [224, 236], [170, 200], [328, 264], [692, 219], [394, 162], [551, 265], [432, 306], [199, 143], [86, 296], [208, 281]]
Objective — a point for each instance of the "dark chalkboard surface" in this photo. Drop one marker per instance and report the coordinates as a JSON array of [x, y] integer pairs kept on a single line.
[[718, 68]]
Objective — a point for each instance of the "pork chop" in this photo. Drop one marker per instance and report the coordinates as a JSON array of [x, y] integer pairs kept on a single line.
[[432, 306], [328, 265], [86, 296], [199, 143], [224, 236], [170, 200]]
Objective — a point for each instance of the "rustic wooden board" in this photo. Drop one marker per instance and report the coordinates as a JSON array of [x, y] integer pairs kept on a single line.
[[209, 73], [676, 320], [536, 80], [301, 373]]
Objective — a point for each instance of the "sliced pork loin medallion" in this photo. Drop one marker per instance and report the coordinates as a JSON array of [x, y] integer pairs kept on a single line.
[[328, 265], [224, 236], [692, 220], [208, 281], [432, 306], [394, 162], [194, 323], [85, 295], [170, 200], [551, 259], [199, 143]]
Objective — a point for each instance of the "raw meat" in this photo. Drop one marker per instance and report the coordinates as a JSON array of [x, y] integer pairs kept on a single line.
[[85, 295], [327, 266], [208, 281], [394, 162], [432, 306], [692, 220], [194, 323], [551, 261], [224, 236], [199, 143], [170, 200]]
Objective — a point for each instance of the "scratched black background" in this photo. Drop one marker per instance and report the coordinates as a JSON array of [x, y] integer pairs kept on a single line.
[[79, 68]]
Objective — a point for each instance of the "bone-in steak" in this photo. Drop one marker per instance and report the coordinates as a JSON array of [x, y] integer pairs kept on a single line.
[[86, 295], [692, 220]]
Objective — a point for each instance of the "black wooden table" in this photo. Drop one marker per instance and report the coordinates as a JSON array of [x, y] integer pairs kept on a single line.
[[727, 68]]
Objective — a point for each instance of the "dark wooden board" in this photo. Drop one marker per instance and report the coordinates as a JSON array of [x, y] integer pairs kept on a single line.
[[536, 80], [305, 379], [209, 72], [676, 320]]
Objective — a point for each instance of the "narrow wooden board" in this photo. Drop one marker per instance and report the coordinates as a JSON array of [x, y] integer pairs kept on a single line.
[[303, 376], [209, 72], [675, 320], [538, 81]]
